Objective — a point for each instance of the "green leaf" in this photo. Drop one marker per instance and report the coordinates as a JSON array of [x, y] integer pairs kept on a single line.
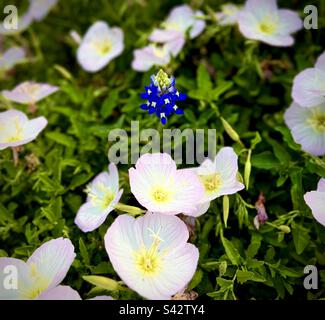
[[109, 104], [231, 252], [280, 152], [265, 160], [254, 246], [197, 278], [244, 275], [203, 79], [221, 88], [301, 238], [83, 252], [80, 180], [61, 138]]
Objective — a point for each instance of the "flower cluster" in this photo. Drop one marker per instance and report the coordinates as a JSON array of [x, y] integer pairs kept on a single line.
[[161, 96]]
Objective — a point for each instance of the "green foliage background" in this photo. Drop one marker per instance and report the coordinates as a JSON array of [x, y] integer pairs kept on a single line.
[[248, 84]]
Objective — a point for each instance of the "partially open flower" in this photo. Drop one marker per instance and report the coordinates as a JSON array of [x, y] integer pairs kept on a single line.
[[29, 92], [103, 194], [307, 127], [151, 254], [228, 15], [262, 20], [309, 85], [99, 46], [218, 177], [160, 187], [16, 129], [316, 202], [182, 19], [40, 277], [11, 57]]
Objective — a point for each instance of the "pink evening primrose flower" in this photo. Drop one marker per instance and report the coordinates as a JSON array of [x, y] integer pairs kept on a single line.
[[99, 46], [316, 202], [11, 57], [160, 187], [307, 127], [182, 19], [151, 254], [228, 15], [149, 56], [16, 129], [29, 92], [103, 194], [262, 20], [218, 177], [309, 85], [40, 276]]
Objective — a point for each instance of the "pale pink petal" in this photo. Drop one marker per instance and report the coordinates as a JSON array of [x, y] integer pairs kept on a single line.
[[149, 56], [161, 35], [52, 260], [320, 63], [11, 57], [200, 209], [321, 185], [59, 293], [90, 216], [198, 25], [39, 9], [290, 22], [296, 118], [316, 201], [308, 88], [102, 298]]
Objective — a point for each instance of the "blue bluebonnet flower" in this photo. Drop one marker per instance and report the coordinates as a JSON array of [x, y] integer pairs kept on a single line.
[[161, 96]]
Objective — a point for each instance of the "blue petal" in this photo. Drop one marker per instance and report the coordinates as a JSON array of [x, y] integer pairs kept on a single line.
[[163, 120], [144, 106], [179, 111]]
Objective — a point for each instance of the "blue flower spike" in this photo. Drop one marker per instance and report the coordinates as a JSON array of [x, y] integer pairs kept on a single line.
[[161, 96]]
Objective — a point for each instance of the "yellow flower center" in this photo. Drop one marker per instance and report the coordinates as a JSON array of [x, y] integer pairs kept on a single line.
[[39, 284], [148, 260], [268, 26], [161, 195], [103, 201], [211, 182], [317, 120], [102, 47]]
